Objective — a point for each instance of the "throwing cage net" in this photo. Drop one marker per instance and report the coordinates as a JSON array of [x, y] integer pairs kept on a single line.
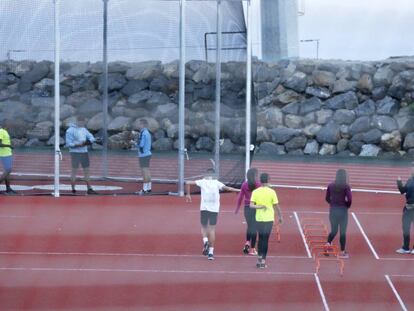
[[120, 63]]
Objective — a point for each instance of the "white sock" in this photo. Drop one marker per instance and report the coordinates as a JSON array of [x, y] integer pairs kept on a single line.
[[205, 240], [149, 186], [144, 186], [211, 250]]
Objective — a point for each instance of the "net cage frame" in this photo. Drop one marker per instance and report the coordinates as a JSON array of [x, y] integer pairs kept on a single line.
[[182, 152]]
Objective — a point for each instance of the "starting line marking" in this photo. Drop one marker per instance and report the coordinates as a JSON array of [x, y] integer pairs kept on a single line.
[[302, 235], [365, 236], [403, 307], [136, 255], [49, 269], [321, 292]]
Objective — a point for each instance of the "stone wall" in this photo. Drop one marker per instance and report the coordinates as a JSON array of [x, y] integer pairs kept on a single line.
[[304, 107]]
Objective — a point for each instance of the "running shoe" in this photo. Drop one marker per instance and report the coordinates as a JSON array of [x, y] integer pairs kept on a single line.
[[210, 256], [403, 251], [91, 191], [344, 255], [246, 248], [253, 252], [412, 252], [205, 249], [263, 265], [10, 192]]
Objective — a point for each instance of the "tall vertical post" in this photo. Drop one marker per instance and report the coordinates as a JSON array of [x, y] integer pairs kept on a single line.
[[56, 192], [181, 107], [105, 91], [248, 83], [218, 92]]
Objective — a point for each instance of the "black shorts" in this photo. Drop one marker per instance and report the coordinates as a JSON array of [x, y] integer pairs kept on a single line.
[[80, 158], [144, 162], [208, 218]]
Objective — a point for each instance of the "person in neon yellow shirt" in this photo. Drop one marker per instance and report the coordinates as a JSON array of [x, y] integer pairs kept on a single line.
[[265, 200], [6, 158]]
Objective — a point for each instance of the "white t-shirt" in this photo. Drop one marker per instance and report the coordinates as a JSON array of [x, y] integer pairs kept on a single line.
[[210, 195]]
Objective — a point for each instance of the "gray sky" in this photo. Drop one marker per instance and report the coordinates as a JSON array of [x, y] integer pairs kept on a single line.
[[358, 29]]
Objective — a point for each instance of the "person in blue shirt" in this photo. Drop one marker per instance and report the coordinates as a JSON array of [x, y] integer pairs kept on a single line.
[[78, 138], [144, 142]]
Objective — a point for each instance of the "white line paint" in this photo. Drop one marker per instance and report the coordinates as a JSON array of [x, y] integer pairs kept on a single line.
[[403, 307], [361, 213], [50, 269], [399, 259], [302, 235], [365, 236], [318, 282], [402, 275], [135, 255]]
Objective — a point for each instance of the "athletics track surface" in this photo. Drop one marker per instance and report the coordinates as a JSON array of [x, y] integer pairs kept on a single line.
[[143, 253]]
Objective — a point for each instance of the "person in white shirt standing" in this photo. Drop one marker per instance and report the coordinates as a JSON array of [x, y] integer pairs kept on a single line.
[[209, 208]]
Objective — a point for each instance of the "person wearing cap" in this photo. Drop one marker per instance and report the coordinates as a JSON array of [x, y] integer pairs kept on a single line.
[[408, 211], [209, 208], [6, 157], [78, 138]]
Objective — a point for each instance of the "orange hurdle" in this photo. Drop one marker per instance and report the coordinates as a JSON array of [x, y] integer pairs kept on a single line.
[[277, 230], [311, 221], [319, 258]]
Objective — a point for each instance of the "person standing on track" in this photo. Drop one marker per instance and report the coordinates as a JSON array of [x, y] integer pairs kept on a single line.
[[339, 197], [264, 200], [408, 211], [249, 214], [6, 157], [78, 138], [144, 143], [209, 207]]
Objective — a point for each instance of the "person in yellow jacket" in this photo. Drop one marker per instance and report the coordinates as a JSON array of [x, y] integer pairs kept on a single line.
[[6, 157], [265, 201]]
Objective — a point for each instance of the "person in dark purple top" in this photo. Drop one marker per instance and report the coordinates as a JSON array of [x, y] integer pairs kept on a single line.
[[408, 211], [339, 197], [249, 213]]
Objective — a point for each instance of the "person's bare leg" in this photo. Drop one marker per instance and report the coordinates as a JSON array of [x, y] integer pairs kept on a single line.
[[212, 235], [87, 177], [146, 177]]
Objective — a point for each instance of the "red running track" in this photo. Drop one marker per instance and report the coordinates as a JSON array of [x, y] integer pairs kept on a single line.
[[164, 167], [143, 253]]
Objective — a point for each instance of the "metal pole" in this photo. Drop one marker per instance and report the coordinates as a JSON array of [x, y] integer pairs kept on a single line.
[[218, 91], [56, 192], [181, 115], [105, 91], [248, 84]]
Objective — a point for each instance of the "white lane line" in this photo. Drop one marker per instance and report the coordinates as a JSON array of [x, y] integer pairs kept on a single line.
[[362, 213], [302, 235], [403, 307], [135, 255], [398, 259], [402, 275], [50, 269], [318, 282], [365, 236]]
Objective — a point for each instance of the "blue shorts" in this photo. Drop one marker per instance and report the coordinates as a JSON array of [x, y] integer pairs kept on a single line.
[[7, 163]]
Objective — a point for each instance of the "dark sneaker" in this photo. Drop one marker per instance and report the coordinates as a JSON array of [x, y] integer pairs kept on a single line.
[[143, 192], [73, 191], [10, 192], [205, 249], [246, 249], [91, 191], [210, 256]]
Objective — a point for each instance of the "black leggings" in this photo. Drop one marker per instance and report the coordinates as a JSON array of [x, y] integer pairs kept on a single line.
[[339, 219], [265, 229], [407, 220], [251, 232]]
